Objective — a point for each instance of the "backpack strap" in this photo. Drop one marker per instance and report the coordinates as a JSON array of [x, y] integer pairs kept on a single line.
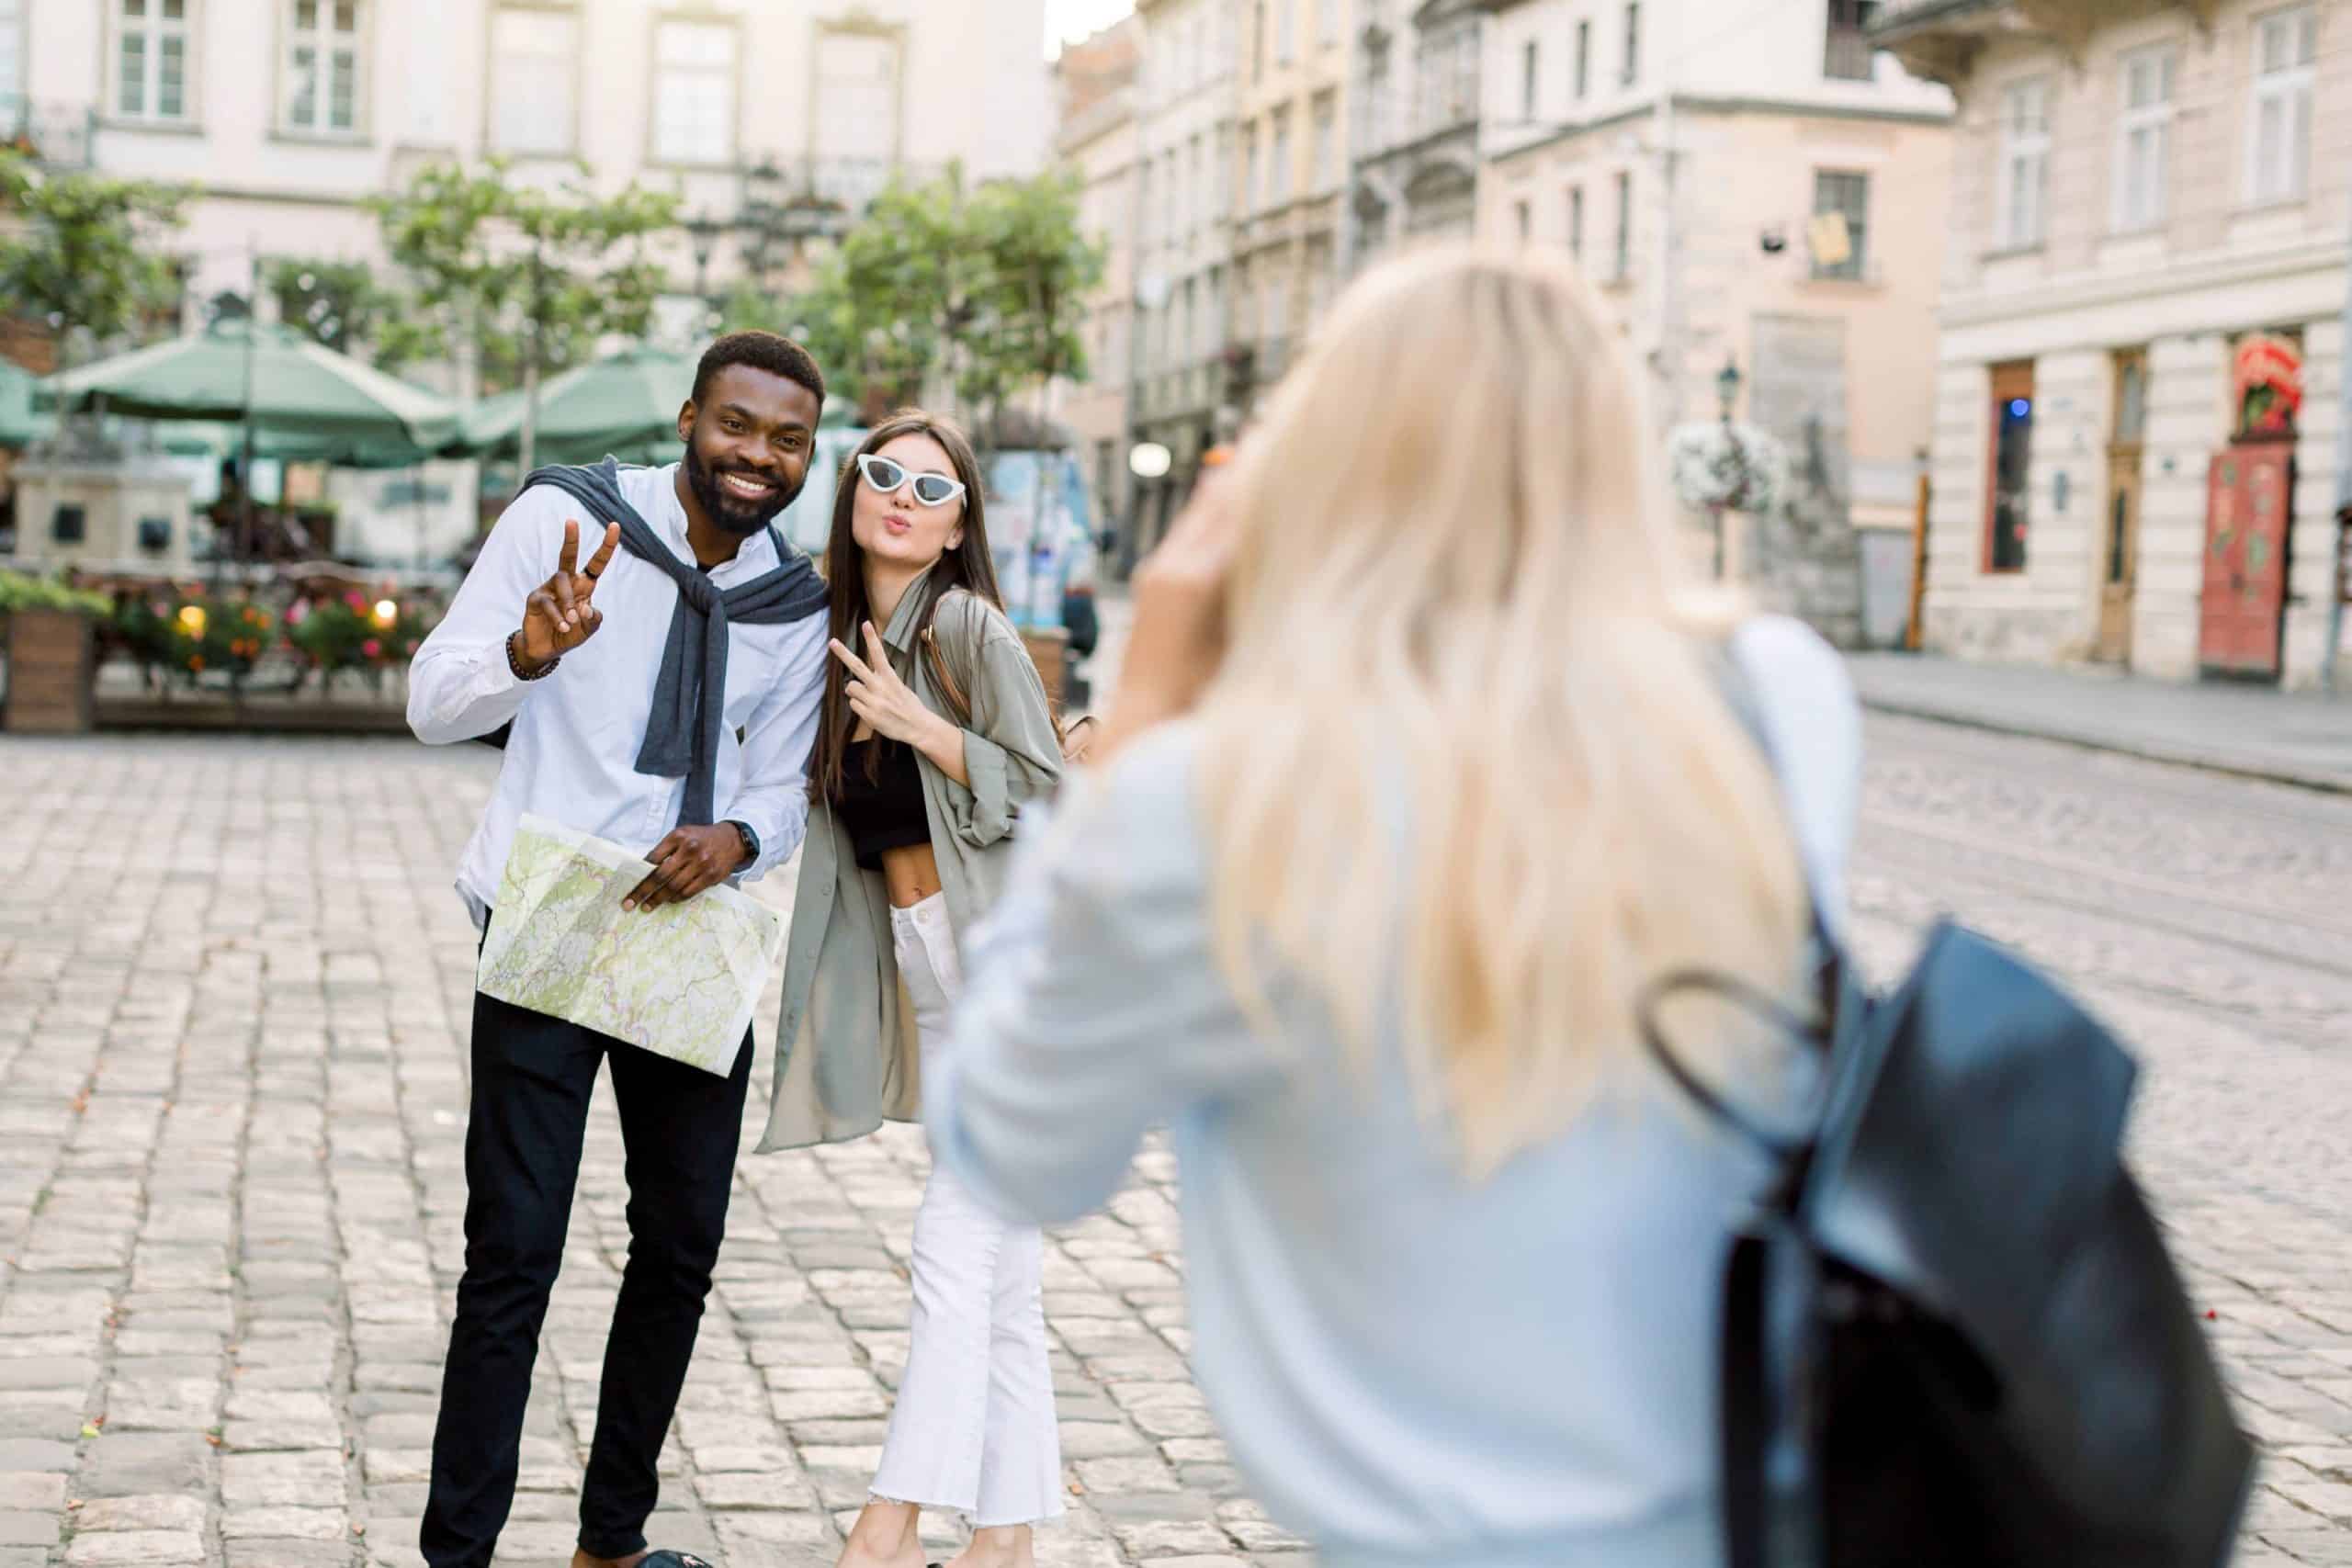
[[1746, 1418]]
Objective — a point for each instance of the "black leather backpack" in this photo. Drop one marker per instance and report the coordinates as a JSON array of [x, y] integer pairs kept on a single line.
[[1952, 1334]]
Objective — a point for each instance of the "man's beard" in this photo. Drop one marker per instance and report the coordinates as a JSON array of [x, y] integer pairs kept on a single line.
[[737, 516]]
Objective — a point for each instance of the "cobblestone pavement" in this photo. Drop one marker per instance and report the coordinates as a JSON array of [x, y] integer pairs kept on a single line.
[[233, 989]]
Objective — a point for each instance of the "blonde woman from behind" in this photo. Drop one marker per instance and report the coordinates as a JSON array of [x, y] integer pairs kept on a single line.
[[1420, 767]]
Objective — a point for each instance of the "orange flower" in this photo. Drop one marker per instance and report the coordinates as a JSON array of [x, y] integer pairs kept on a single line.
[[195, 662]]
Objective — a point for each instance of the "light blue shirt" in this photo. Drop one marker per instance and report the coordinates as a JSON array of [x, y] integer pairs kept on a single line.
[[1414, 1370]]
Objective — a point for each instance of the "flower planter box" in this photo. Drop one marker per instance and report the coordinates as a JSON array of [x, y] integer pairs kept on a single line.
[[53, 673]]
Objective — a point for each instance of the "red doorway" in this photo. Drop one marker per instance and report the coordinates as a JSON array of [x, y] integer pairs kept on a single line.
[[2249, 494]]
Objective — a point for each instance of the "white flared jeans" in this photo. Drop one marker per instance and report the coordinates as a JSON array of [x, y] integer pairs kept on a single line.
[[973, 1430]]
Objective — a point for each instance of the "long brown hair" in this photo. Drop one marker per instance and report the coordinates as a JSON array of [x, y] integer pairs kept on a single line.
[[965, 564]]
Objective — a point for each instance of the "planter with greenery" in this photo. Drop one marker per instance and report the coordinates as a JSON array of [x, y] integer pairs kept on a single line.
[[52, 654]]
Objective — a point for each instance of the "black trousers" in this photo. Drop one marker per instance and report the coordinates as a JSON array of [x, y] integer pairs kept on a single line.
[[532, 1078]]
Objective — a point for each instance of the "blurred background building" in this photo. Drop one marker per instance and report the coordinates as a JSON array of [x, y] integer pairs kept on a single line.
[[774, 119], [2138, 386]]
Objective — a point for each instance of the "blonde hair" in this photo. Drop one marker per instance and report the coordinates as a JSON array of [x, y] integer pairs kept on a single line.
[[1467, 714]]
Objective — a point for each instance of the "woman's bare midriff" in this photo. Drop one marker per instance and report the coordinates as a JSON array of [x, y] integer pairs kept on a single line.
[[911, 875]]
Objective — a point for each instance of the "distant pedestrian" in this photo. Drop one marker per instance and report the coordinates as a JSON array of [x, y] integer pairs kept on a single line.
[[1418, 768], [936, 736], [628, 723]]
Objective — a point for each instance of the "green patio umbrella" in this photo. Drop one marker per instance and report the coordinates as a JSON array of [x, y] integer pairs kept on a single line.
[[307, 402], [624, 405], [19, 426]]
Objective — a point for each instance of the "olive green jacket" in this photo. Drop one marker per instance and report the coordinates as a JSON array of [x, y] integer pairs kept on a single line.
[[847, 1057]]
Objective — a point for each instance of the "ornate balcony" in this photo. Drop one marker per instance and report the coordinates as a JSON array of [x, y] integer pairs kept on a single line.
[[1942, 39]]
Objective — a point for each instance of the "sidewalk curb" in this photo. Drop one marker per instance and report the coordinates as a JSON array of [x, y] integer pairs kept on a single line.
[[2205, 762]]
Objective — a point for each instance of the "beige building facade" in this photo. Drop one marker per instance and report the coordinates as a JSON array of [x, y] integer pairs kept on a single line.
[[288, 112], [1100, 139], [1179, 389], [2138, 390], [1686, 157], [1288, 201]]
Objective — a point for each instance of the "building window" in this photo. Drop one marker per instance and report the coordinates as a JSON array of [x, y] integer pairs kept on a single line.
[[534, 63], [1285, 30], [1249, 186], [1196, 186], [1633, 44], [1584, 59], [1327, 21], [1847, 196], [1326, 141], [1622, 252], [1576, 221], [1278, 177], [861, 112], [1524, 218], [1258, 41], [694, 93], [2024, 184], [2279, 149], [1530, 67], [1849, 56], [2144, 148], [151, 59], [323, 67], [2012, 467]]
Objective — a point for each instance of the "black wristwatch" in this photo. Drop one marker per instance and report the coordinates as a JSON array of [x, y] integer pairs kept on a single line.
[[751, 839]]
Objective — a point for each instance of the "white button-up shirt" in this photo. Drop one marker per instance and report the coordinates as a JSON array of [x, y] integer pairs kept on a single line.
[[572, 757]]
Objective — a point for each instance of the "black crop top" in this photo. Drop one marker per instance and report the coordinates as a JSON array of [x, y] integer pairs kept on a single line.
[[884, 811]]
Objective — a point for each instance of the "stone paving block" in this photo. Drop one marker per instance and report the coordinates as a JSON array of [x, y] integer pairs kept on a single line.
[[135, 1548], [154, 1512], [63, 1373], [35, 1491], [130, 1464], [286, 1523], [1169, 1539], [267, 1553], [22, 1529], [1101, 1439], [295, 1480], [1124, 1475], [754, 1536]]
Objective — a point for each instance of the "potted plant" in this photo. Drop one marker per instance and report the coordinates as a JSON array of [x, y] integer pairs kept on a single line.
[[52, 654]]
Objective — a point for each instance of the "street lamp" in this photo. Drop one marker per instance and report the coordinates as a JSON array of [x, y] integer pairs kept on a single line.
[[703, 231], [1726, 394]]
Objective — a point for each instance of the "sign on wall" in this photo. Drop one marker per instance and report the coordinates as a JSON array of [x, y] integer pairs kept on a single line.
[[2267, 386]]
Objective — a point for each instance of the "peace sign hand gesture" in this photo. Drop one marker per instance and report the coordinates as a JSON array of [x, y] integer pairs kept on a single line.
[[885, 704], [560, 614]]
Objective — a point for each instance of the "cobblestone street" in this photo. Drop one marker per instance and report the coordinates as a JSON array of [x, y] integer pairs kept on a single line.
[[234, 989]]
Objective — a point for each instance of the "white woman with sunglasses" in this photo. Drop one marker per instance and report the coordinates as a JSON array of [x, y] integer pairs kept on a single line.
[[935, 733]]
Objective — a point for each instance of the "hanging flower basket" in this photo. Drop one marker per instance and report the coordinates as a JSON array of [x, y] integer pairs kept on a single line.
[[1735, 467]]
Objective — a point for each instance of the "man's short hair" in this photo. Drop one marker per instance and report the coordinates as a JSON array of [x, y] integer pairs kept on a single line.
[[771, 352]]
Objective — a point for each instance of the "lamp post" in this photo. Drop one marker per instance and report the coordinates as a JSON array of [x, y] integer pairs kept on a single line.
[[703, 231], [1728, 394]]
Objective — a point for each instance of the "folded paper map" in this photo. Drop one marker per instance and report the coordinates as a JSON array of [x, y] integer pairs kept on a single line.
[[680, 980]]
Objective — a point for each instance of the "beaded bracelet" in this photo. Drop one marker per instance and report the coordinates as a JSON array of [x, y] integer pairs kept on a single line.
[[514, 664]]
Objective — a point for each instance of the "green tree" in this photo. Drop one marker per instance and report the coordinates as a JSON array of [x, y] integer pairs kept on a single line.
[[1033, 270], [336, 303], [986, 286], [84, 253], [529, 279]]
